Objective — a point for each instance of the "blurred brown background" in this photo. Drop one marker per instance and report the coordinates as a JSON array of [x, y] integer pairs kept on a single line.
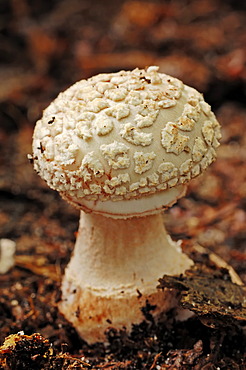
[[47, 45]]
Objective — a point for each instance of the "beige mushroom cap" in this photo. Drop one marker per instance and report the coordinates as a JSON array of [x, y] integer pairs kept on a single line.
[[125, 144]]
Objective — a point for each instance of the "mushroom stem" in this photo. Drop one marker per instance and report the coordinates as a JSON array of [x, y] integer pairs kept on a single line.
[[114, 270]]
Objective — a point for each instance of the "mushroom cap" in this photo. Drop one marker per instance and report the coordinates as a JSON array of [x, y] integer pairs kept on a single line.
[[125, 144]]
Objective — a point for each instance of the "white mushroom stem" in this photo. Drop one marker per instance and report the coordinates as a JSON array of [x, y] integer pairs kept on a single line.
[[114, 271]]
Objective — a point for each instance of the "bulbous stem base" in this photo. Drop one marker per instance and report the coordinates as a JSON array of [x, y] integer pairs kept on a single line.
[[114, 272]]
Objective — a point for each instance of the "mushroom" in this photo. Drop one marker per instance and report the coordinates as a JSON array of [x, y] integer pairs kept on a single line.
[[122, 148], [7, 255]]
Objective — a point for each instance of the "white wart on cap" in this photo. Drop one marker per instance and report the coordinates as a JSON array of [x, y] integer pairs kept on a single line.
[[129, 140]]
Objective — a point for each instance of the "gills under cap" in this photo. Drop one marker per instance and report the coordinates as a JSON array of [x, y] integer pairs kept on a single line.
[[120, 139]]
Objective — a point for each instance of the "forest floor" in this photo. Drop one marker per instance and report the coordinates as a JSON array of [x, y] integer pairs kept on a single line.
[[44, 48]]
